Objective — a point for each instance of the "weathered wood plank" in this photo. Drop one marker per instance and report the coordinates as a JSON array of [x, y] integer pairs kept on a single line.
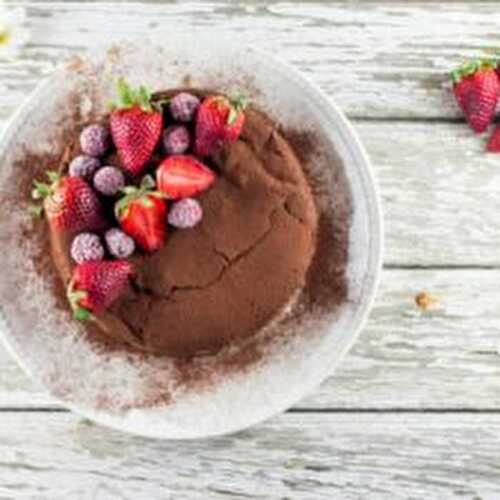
[[448, 358], [384, 60], [325, 456], [440, 193]]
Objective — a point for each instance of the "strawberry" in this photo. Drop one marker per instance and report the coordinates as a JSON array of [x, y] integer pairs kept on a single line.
[[135, 127], [219, 121], [70, 204], [94, 286], [182, 176], [493, 145], [476, 87], [141, 214]]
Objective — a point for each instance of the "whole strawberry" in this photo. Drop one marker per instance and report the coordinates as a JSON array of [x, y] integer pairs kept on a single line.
[[181, 176], [476, 88], [135, 127], [69, 203], [94, 286], [141, 214], [219, 121]]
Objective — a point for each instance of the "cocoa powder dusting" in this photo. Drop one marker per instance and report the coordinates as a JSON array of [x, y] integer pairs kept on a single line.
[[260, 235]]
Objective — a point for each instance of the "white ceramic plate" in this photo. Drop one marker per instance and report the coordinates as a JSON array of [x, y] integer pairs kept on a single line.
[[50, 348]]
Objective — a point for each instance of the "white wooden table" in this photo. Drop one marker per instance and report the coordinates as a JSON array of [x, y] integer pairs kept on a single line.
[[414, 410]]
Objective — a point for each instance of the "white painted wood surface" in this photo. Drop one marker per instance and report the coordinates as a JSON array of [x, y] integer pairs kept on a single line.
[[385, 64], [295, 456], [379, 59]]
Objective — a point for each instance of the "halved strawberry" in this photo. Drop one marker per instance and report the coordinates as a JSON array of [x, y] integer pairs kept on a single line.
[[141, 214], [135, 126], [69, 203], [182, 176], [219, 121], [94, 286]]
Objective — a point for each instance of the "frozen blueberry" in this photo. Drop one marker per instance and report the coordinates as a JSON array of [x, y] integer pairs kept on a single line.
[[185, 213], [86, 247], [183, 107], [83, 166], [94, 140], [176, 140], [109, 180], [120, 245]]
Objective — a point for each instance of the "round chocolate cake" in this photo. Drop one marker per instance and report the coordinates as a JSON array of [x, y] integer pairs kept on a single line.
[[209, 283]]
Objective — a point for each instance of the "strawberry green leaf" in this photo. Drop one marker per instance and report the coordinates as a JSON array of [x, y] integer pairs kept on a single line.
[[146, 202], [238, 103], [233, 114], [52, 175], [82, 314], [35, 210], [129, 190], [129, 97], [40, 190], [471, 67], [147, 182]]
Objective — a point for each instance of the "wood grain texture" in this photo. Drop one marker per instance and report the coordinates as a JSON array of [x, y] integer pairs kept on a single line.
[[292, 457], [377, 60], [440, 193], [448, 358]]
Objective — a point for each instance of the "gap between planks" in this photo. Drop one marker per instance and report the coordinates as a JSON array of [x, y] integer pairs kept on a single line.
[[335, 411]]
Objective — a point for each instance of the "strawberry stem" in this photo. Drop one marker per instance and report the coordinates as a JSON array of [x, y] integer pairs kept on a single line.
[[471, 67], [133, 193], [42, 189], [74, 298], [238, 103], [129, 97], [35, 210]]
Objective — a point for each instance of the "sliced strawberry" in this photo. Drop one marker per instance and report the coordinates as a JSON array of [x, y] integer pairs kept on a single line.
[[142, 215], [476, 88], [69, 203], [94, 286], [182, 176], [135, 126], [219, 121]]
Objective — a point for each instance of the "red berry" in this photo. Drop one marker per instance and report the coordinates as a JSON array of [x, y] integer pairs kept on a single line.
[[219, 121], [181, 176], [141, 214], [94, 286], [493, 145], [135, 127], [70, 204], [476, 88]]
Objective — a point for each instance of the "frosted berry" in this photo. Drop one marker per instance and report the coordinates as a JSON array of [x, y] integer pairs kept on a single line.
[[183, 107], [109, 180], [83, 166], [120, 244], [185, 213], [86, 247], [94, 140], [176, 140]]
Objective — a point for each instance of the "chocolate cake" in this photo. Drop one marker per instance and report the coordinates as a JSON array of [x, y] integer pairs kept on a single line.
[[222, 281]]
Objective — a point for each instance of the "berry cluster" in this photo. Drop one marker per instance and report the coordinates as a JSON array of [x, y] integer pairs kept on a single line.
[[146, 195]]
